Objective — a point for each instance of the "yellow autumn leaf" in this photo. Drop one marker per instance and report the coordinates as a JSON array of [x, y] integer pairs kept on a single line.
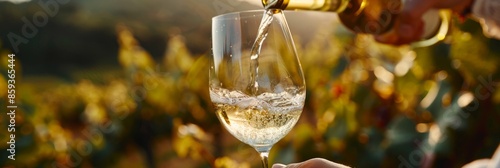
[[226, 162], [177, 56], [130, 53]]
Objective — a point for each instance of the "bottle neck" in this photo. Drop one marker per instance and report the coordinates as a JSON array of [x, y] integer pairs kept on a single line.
[[318, 5]]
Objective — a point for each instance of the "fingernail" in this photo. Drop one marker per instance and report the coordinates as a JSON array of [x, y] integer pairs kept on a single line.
[[278, 165], [405, 30]]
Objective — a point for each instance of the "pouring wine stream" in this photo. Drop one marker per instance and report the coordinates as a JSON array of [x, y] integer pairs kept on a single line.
[[265, 23]]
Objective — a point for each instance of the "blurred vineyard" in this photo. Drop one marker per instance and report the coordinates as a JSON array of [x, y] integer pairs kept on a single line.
[[368, 105]]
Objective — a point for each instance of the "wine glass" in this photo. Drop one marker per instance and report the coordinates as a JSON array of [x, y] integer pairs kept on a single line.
[[256, 80]]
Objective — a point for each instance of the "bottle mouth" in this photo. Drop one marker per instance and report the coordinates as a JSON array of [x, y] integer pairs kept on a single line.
[[276, 4]]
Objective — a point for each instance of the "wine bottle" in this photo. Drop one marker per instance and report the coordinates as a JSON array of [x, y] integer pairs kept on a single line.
[[369, 16]]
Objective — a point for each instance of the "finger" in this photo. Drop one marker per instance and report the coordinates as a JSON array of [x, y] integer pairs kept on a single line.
[[387, 38], [408, 32], [408, 27], [278, 165], [416, 8], [477, 163], [495, 160], [298, 165], [403, 33], [316, 163]]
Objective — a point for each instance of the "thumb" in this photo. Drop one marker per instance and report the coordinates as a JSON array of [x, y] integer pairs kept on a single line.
[[409, 24], [416, 8], [279, 165]]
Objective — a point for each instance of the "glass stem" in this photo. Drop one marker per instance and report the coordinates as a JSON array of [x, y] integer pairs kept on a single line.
[[264, 155]]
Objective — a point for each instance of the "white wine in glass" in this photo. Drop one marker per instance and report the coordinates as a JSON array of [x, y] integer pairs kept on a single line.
[[256, 80]]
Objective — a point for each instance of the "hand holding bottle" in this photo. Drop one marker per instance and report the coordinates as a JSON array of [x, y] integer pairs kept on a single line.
[[414, 22], [379, 17], [409, 24]]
